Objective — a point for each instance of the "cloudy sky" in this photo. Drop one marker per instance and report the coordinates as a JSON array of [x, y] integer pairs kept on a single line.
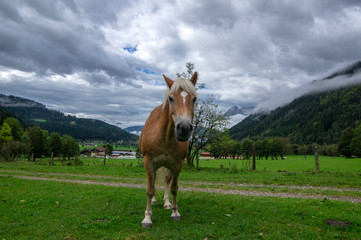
[[104, 59]]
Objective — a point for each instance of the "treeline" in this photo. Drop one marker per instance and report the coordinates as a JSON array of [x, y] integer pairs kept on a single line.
[[33, 142], [223, 146]]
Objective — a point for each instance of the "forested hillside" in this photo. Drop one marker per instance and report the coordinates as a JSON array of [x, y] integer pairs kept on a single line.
[[318, 118], [4, 114], [33, 113]]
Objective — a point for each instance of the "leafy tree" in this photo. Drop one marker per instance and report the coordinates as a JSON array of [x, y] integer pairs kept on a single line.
[[302, 149], [12, 150], [344, 142], [16, 128], [235, 149], [108, 150], [355, 144], [284, 146], [247, 146], [70, 147], [5, 133], [260, 146], [273, 148], [220, 147], [37, 143], [330, 150], [207, 123], [55, 144]]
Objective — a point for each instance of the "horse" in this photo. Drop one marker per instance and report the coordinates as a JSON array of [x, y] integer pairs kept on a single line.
[[164, 141]]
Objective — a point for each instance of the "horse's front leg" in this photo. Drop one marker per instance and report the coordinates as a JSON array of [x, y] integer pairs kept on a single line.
[[147, 222], [168, 179], [174, 189]]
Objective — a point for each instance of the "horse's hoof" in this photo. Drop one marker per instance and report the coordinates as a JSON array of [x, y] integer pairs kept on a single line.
[[176, 218], [167, 206], [147, 225], [154, 202]]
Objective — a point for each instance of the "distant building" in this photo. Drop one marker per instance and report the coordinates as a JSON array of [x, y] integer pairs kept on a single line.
[[206, 155], [123, 154]]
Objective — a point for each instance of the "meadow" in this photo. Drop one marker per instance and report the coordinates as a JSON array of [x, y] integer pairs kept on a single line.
[[40, 201]]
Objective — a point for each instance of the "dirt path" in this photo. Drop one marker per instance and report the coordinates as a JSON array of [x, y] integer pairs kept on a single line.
[[198, 189], [196, 183]]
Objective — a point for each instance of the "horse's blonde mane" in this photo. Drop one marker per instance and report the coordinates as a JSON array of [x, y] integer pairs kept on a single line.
[[179, 83]]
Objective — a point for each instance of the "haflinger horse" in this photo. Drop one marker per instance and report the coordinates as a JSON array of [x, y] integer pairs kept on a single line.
[[164, 141]]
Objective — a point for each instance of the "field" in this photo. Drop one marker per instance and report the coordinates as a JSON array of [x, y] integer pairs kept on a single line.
[[283, 199]]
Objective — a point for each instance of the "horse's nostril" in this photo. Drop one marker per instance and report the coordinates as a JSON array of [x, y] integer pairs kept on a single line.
[[191, 127], [178, 126]]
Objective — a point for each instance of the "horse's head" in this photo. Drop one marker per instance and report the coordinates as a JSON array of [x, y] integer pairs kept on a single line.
[[181, 97]]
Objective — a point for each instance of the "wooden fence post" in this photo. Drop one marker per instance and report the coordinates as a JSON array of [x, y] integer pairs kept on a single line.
[[316, 160], [253, 158]]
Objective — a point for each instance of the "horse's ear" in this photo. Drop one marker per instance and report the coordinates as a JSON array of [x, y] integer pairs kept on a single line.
[[194, 78], [168, 81]]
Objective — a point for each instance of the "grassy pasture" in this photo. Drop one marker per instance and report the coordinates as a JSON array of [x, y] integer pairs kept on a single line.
[[37, 209], [338, 172], [47, 210]]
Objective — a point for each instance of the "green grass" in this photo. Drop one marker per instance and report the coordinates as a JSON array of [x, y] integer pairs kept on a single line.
[[39, 120], [293, 163], [32, 209], [48, 210], [336, 172]]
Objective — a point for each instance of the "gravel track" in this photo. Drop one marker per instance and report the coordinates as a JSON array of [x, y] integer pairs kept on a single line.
[[197, 189]]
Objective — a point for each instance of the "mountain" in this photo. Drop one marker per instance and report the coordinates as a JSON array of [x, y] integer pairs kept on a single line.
[[316, 117], [134, 129], [236, 110], [351, 70], [233, 111], [4, 114], [34, 113]]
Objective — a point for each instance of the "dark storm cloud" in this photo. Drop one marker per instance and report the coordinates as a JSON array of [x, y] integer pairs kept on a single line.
[[51, 37]]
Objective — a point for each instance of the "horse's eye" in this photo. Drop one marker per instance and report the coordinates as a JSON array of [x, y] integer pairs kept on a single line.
[[171, 99]]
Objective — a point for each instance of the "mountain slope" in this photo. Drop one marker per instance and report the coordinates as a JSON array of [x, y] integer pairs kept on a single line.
[[37, 114], [4, 114], [317, 118]]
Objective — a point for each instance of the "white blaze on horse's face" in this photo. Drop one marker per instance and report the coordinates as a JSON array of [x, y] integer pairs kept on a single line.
[[182, 110], [184, 94]]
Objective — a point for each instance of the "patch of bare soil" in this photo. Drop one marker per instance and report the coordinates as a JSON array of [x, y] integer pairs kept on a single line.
[[337, 223]]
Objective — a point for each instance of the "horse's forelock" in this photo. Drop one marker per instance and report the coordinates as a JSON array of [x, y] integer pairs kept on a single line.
[[180, 83]]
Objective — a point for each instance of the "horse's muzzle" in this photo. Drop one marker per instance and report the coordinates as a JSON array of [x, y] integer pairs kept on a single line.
[[183, 130]]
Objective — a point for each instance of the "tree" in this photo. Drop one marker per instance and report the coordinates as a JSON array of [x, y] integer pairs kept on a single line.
[[207, 123], [235, 149], [55, 144], [5, 133], [260, 146], [221, 145], [37, 143], [344, 142], [16, 128], [108, 150], [247, 147], [70, 147], [355, 144], [12, 149]]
